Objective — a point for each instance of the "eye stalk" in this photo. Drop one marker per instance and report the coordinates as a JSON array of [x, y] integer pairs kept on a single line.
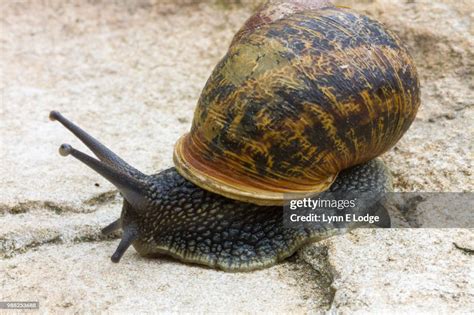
[[129, 181], [101, 151], [65, 149]]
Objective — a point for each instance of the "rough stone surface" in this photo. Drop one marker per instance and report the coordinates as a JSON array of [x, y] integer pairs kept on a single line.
[[131, 73], [81, 278], [399, 271]]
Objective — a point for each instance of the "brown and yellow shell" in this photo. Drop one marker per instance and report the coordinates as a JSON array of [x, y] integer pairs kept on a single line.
[[303, 92]]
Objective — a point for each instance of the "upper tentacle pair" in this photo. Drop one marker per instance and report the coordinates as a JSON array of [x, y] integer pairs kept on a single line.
[[129, 181]]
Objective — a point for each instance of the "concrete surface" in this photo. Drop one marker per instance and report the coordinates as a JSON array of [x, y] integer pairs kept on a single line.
[[131, 73]]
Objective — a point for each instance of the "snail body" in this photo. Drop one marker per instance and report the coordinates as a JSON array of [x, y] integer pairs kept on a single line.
[[305, 100]]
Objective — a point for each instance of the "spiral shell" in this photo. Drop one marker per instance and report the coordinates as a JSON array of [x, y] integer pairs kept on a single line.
[[304, 91]]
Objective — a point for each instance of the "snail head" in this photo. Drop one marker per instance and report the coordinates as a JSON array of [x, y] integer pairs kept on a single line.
[[131, 183]]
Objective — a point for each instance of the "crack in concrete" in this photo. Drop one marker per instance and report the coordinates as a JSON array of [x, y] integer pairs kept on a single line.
[[22, 241], [27, 206], [464, 250], [320, 272], [12, 246], [102, 198], [408, 207], [59, 208], [9, 247]]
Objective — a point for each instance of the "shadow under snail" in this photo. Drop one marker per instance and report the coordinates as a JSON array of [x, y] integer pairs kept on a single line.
[[305, 100]]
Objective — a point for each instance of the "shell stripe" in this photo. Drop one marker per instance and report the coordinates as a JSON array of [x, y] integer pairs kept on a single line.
[[297, 100]]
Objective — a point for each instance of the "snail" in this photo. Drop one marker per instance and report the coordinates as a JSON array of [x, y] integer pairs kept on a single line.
[[306, 99]]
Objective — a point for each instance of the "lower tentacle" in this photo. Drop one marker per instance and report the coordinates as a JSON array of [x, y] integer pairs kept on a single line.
[[112, 227], [130, 234]]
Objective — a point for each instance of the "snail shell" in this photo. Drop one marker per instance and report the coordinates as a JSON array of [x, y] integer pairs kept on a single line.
[[305, 90]]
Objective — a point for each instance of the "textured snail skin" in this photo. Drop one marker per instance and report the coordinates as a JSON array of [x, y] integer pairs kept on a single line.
[[198, 226]]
